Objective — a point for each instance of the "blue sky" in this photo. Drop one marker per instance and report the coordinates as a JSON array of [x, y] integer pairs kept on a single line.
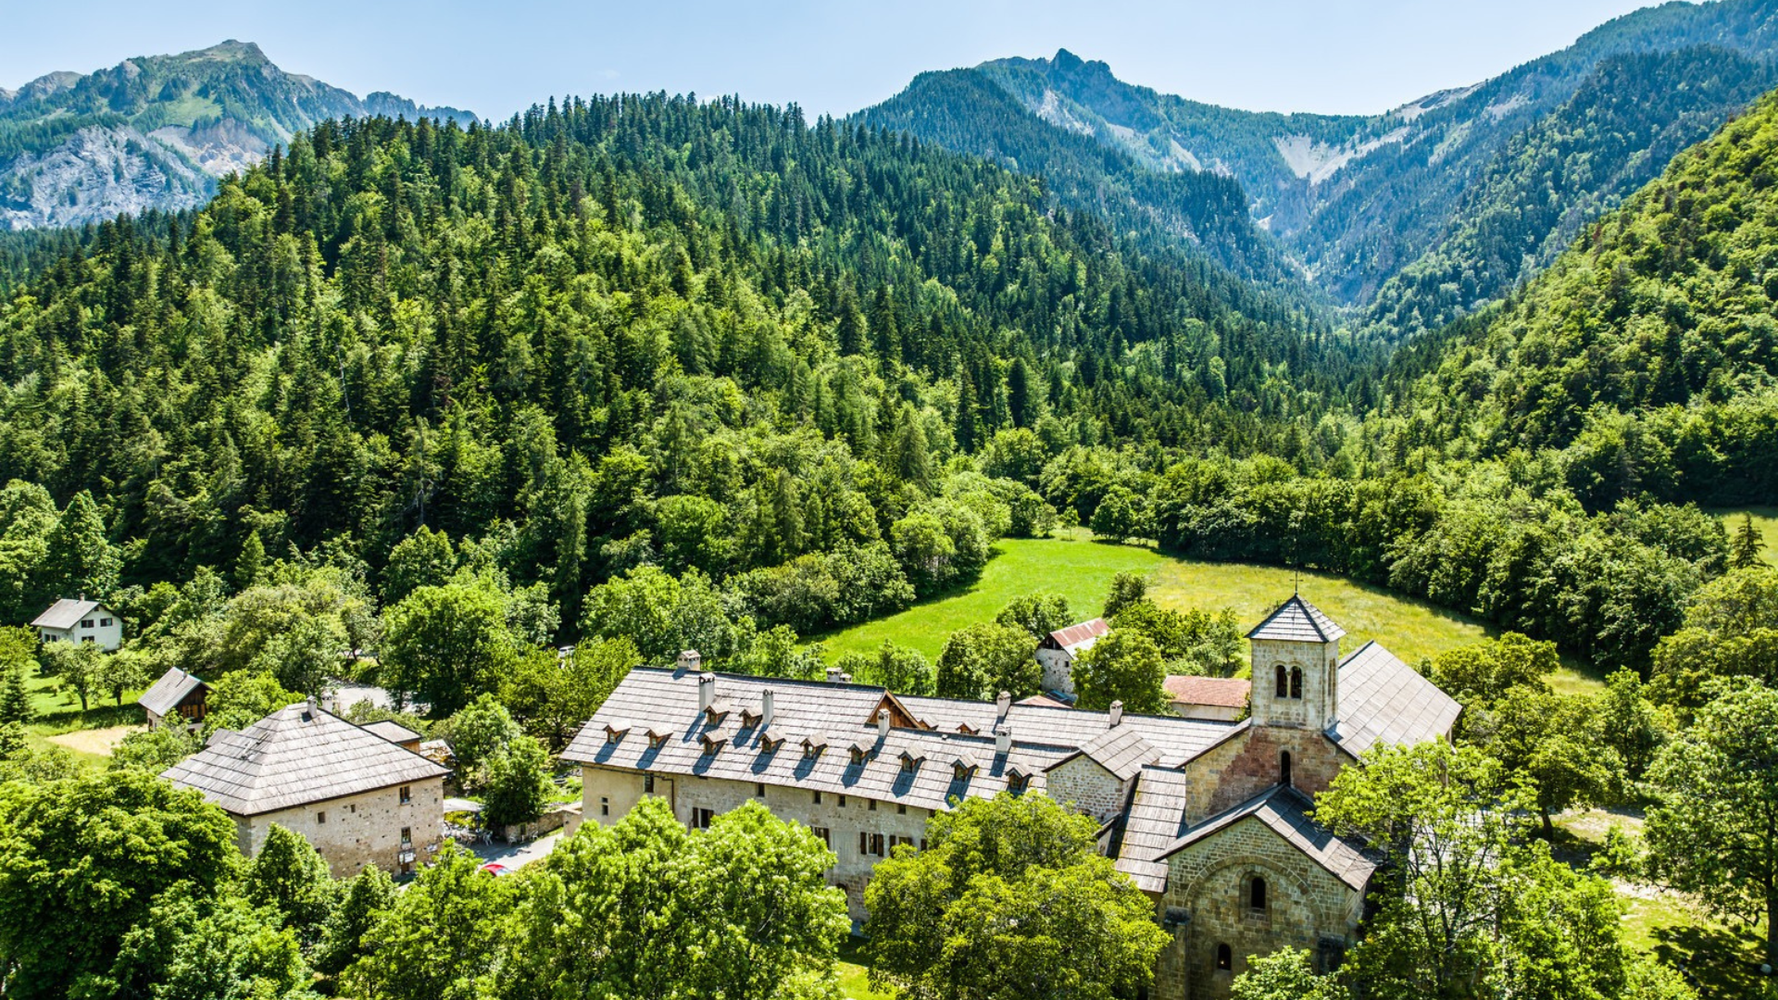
[[495, 58]]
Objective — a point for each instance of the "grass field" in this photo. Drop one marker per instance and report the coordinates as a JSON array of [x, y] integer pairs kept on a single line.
[[854, 976], [1764, 518], [58, 714], [1081, 570]]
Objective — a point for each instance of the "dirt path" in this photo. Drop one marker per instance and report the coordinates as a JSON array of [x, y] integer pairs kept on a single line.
[[93, 741]]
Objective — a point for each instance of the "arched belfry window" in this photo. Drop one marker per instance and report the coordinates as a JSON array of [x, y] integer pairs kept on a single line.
[[1284, 768], [1296, 682], [1283, 682], [1225, 957], [1256, 893]]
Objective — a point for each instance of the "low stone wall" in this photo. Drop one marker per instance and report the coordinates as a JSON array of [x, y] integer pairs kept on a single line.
[[565, 814]]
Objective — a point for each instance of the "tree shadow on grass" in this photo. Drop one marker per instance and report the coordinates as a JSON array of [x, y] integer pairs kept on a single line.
[[100, 716], [1721, 963]]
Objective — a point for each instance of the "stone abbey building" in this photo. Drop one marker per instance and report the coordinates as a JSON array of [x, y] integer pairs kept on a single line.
[[1210, 818]]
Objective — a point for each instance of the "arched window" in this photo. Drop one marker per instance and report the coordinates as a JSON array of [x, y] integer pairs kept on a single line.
[[1256, 893], [1283, 682], [1296, 682], [1225, 957], [1284, 768]]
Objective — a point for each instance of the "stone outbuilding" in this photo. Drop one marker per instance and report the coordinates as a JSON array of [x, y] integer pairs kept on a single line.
[[80, 620], [1221, 698], [1058, 651], [176, 694], [359, 798]]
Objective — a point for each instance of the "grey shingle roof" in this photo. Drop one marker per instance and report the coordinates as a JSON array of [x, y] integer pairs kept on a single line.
[[1296, 620], [65, 613], [165, 695], [392, 731], [1383, 700], [838, 715], [1285, 811], [1177, 740], [295, 756], [1122, 751], [1156, 820]]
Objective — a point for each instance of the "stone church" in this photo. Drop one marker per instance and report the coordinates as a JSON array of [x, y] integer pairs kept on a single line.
[[1211, 818]]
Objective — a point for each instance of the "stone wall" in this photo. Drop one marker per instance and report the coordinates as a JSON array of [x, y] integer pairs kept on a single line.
[[355, 830], [1317, 708], [1085, 784], [1058, 670], [1306, 907], [1252, 761], [609, 793]]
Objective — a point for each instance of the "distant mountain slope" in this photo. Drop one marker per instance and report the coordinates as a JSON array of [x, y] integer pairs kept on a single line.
[[155, 132], [1358, 199], [1648, 352]]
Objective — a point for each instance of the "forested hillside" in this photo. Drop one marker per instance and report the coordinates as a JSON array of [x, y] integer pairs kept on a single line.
[[154, 132], [1468, 190], [1645, 358], [623, 331]]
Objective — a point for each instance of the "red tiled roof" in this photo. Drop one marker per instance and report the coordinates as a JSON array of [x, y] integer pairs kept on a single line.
[[1225, 692], [1044, 701], [1074, 635]]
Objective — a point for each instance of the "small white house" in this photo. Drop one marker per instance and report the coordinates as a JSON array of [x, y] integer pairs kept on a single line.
[[1058, 651], [80, 621]]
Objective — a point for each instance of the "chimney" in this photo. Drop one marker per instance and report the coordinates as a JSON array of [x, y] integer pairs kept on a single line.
[[1117, 713], [765, 709], [1002, 705], [834, 675], [882, 724], [1002, 739], [706, 690], [690, 660]]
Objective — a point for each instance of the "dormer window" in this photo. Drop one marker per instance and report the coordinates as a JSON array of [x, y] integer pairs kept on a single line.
[[717, 712], [713, 744], [1017, 781], [967, 729], [962, 767], [813, 745], [859, 751], [769, 743], [656, 739], [910, 762], [749, 718], [614, 732]]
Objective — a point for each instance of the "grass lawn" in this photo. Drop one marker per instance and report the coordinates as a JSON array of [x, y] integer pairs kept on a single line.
[[57, 713], [1081, 570], [1764, 518], [854, 977]]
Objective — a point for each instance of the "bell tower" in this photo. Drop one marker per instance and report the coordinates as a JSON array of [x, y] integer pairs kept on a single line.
[[1296, 667]]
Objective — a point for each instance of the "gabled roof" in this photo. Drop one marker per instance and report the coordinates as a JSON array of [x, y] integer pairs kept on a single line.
[[1122, 751], [1296, 620], [1156, 819], [1080, 636], [165, 695], [65, 613], [296, 756], [392, 731], [1044, 701], [1222, 692], [1285, 811], [1383, 700]]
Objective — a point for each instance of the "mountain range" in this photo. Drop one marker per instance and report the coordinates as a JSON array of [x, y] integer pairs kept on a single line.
[[1416, 214], [155, 132]]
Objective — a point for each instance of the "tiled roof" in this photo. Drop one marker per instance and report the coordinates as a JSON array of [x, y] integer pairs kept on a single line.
[[392, 731], [1122, 751], [1223, 692], [1178, 740], [65, 613], [1156, 820], [295, 756], [1285, 811], [666, 701], [1383, 700], [166, 694], [1044, 701], [1081, 636], [1296, 620]]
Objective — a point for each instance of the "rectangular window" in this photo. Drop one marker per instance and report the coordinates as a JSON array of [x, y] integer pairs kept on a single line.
[[604, 806], [876, 844], [104, 623], [817, 797], [873, 805], [700, 818], [902, 808], [86, 623], [863, 843], [759, 790], [897, 841], [407, 836], [648, 784], [824, 833], [842, 802], [406, 794], [320, 817]]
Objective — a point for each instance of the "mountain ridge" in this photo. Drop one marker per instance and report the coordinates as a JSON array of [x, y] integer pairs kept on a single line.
[[155, 132]]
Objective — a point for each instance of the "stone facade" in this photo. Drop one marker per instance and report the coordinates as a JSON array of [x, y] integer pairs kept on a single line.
[[860, 831], [1086, 785], [1236, 770], [1058, 670], [1310, 674], [1305, 906], [355, 830]]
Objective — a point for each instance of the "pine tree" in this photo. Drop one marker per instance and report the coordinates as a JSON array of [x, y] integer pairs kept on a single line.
[[1018, 393], [15, 701], [1748, 544], [80, 559], [250, 563]]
